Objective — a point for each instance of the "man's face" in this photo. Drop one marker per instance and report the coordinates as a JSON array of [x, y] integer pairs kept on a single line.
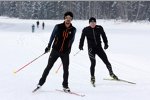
[[93, 24], [68, 20]]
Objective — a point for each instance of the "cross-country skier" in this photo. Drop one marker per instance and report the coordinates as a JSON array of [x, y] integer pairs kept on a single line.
[[43, 25], [93, 33], [37, 23], [62, 37], [33, 28]]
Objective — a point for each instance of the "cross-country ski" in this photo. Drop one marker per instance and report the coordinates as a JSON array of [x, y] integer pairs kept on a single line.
[[73, 93], [120, 80]]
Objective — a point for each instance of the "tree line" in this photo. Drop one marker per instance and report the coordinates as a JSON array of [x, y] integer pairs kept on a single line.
[[124, 10]]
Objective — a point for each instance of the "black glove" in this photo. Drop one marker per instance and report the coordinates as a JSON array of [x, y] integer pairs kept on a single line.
[[81, 48], [106, 46], [47, 49]]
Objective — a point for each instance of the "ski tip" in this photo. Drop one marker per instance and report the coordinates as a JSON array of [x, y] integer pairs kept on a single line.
[[126, 81], [131, 82], [82, 95], [14, 72], [34, 91], [93, 85]]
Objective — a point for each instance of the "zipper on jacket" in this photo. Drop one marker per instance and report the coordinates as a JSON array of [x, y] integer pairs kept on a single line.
[[94, 37]]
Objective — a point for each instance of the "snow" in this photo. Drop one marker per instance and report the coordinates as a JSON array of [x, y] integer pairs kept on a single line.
[[128, 53]]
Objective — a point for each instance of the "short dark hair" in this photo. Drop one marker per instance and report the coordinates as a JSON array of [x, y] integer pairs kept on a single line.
[[68, 13], [92, 19]]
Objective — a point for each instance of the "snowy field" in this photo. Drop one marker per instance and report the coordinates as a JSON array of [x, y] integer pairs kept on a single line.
[[128, 53]]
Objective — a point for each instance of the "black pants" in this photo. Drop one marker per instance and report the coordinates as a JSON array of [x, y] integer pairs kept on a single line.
[[100, 52], [52, 58]]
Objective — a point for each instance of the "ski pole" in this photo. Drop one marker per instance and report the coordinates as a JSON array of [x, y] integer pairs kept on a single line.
[[58, 68], [61, 63], [76, 53], [28, 64]]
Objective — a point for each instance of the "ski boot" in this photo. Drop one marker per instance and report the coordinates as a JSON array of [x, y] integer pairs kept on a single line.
[[93, 81], [114, 76], [66, 89]]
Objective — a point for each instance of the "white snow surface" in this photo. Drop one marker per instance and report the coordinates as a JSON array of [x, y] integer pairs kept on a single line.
[[128, 53]]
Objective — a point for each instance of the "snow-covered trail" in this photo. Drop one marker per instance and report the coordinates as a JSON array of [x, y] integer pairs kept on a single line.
[[128, 53]]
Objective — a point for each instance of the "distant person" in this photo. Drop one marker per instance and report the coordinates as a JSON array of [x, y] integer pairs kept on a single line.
[[62, 38], [43, 25], [93, 34], [37, 23], [33, 28]]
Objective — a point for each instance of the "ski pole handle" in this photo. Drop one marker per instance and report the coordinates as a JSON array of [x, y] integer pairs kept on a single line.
[[27, 64]]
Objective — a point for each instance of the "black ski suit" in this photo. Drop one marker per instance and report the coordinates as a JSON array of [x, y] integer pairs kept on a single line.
[[63, 38], [93, 36]]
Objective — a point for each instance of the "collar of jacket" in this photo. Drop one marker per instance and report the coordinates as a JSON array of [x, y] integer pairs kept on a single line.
[[92, 28], [68, 27]]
